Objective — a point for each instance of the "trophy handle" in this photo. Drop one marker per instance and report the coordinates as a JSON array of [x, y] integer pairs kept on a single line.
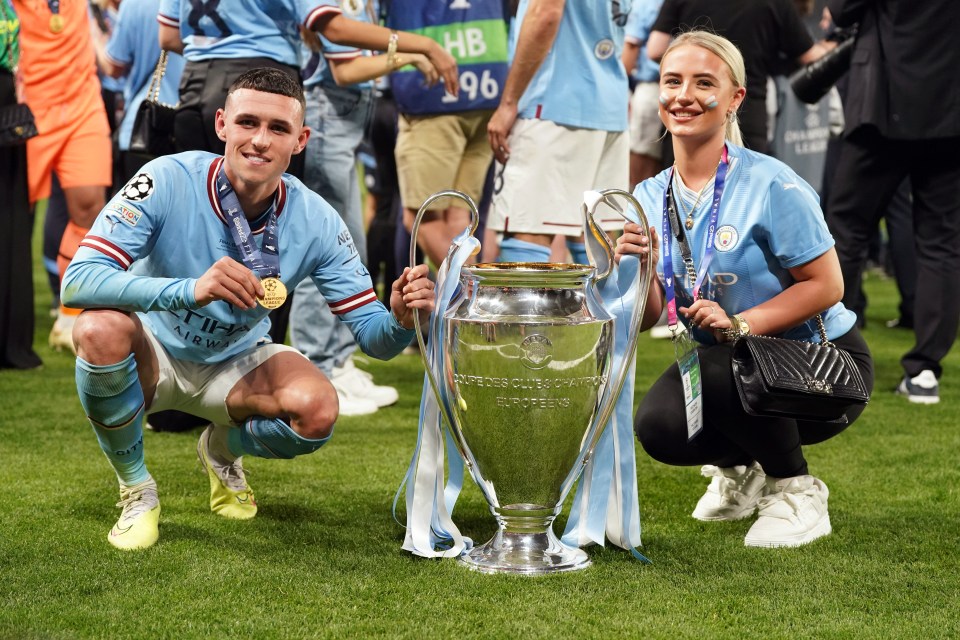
[[600, 249], [424, 356]]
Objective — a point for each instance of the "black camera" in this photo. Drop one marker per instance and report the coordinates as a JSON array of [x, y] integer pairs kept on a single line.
[[812, 82]]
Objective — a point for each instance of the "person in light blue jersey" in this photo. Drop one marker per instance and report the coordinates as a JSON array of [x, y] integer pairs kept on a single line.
[[562, 124], [175, 279], [220, 41], [770, 269], [340, 95], [645, 126], [133, 51]]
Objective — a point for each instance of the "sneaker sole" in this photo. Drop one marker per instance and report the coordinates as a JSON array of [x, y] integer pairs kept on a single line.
[[821, 529], [743, 515], [917, 399]]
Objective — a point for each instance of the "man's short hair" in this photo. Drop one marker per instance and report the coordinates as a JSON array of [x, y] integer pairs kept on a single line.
[[270, 80]]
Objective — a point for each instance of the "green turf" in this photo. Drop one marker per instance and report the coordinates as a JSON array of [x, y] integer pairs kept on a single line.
[[323, 557]]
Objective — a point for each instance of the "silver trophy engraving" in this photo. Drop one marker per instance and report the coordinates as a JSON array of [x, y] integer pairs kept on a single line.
[[527, 389]]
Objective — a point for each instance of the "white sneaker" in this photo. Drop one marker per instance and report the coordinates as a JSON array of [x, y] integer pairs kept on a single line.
[[356, 384], [733, 492], [793, 513], [61, 335], [920, 389]]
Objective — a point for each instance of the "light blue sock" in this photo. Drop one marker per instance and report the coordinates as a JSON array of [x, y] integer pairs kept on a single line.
[[270, 438], [578, 252], [513, 250], [113, 401]]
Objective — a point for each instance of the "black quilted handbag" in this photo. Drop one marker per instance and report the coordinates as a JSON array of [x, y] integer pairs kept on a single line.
[[16, 124], [152, 133], [785, 378]]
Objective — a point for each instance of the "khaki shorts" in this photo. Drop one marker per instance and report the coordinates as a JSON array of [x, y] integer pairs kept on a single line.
[[201, 389], [646, 128], [540, 189], [74, 141], [439, 152]]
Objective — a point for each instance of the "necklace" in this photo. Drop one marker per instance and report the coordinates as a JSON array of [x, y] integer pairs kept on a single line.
[[696, 203]]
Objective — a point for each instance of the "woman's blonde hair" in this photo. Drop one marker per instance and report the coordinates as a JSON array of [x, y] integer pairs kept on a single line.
[[731, 56]]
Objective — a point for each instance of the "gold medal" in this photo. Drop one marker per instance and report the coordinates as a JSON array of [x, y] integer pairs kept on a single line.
[[274, 293], [56, 23]]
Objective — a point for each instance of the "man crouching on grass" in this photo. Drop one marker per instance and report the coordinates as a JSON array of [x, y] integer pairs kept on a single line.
[[174, 277]]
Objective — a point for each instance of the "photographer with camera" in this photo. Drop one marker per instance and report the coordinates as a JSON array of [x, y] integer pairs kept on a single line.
[[903, 94]]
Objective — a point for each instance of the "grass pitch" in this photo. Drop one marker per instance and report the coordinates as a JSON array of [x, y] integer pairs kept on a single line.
[[323, 559]]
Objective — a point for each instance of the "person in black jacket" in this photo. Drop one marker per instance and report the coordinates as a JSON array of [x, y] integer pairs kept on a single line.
[[901, 121]]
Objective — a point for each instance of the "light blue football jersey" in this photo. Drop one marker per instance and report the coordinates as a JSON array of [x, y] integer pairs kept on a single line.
[[642, 16], [316, 69], [133, 43], [243, 28], [769, 221], [582, 82], [165, 228]]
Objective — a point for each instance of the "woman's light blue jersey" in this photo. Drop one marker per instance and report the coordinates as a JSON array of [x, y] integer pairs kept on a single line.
[[165, 229], [769, 221]]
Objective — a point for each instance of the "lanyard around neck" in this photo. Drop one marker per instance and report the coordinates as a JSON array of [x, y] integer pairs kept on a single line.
[[264, 262], [673, 228]]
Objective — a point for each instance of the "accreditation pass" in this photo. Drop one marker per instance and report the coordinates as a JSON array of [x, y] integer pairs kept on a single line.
[[689, 363]]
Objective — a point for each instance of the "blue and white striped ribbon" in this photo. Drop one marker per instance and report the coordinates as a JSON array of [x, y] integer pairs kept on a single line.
[[606, 503], [431, 532]]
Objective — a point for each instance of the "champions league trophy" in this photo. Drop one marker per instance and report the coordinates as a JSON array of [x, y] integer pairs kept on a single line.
[[523, 375]]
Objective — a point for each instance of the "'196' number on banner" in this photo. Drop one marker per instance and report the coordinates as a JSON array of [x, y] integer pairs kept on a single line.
[[486, 85]]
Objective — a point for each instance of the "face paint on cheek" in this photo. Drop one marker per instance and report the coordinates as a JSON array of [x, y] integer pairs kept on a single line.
[[664, 99], [712, 102]]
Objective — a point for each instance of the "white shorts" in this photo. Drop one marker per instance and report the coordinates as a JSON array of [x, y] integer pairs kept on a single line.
[[201, 389], [646, 129], [540, 189]]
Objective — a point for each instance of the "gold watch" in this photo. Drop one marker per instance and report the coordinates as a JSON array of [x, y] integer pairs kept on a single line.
[[740, 328]]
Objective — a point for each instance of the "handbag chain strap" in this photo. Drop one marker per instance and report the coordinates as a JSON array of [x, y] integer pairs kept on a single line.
[[823, 331], [153, 92]]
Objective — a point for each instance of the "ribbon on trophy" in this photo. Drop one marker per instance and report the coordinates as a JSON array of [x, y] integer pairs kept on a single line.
[[430, 531], [606, 503]]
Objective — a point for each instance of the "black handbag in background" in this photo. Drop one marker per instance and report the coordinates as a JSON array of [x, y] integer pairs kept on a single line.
[[784, 378], [17, 124], [812, 82], [152, 133]]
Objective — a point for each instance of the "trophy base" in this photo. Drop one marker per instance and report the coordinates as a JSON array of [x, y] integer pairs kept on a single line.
[[525, 553]]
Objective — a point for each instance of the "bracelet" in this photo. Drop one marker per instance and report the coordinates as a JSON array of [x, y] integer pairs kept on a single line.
[[392, 50]]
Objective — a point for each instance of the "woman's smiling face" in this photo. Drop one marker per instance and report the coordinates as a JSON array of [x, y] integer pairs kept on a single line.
[[696, 93]]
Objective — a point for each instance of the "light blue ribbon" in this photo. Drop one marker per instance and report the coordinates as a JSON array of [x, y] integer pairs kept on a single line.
[[430, 531], [606, 504]]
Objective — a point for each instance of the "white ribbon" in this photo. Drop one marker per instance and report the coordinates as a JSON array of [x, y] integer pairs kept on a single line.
[[606, 503], [431, 532]]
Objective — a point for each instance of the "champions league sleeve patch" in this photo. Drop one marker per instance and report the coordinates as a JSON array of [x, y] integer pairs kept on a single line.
[[139, 188]]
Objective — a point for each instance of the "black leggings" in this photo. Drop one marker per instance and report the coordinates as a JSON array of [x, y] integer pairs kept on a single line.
[[730, 436]]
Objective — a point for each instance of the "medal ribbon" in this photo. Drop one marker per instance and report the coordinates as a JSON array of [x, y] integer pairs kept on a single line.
[[54, 6], [266, 262], [708, 251]]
